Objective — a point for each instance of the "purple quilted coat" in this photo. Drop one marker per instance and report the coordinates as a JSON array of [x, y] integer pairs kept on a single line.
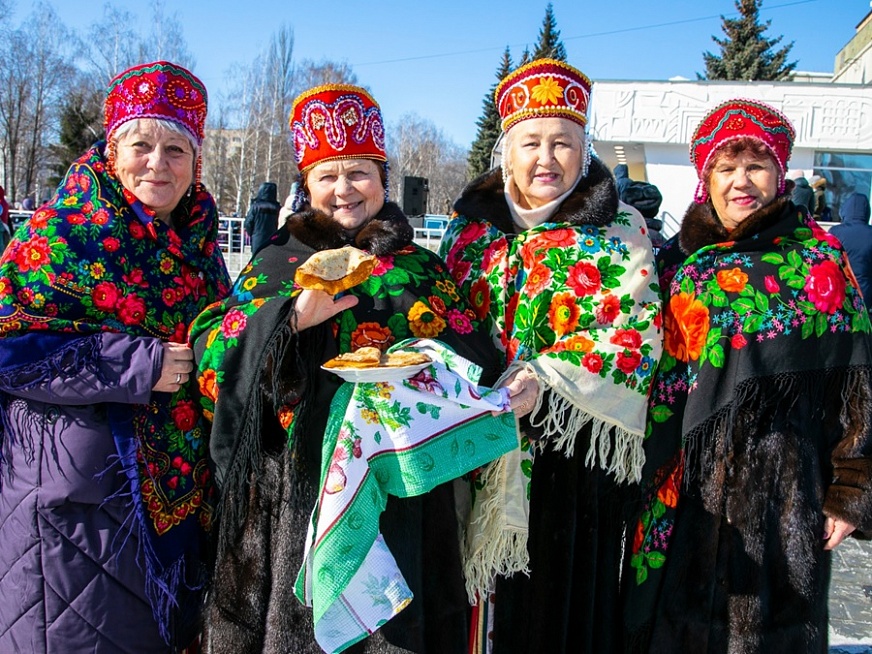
[[69, 564]]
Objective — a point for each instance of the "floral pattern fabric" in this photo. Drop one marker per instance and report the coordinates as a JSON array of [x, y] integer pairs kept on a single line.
[[401, 438], [94, 260], [408, 295], [581, 299]]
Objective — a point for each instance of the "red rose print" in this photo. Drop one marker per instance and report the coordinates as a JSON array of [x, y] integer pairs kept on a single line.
[[593, 362], [628, 338], [738, 341], [825, 286], [184, 415], [105, 296], [584, 278], [137, 230], [771, 284], [627, 362], [131, 310], [608, 309]]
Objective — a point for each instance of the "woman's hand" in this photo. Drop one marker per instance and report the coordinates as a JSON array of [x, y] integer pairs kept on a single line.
[[835, 531], [314, 307], [523, 392], [178, 362]]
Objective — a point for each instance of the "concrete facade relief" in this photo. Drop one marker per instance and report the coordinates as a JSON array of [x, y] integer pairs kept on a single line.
[[826, 116]]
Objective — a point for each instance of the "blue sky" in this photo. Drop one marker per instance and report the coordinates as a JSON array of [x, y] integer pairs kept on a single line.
[[438, 58]]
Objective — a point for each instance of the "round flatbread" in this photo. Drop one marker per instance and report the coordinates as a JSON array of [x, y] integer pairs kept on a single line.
[[334, 271], [364, 357]]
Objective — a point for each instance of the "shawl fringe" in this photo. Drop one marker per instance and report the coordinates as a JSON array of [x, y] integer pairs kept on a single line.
[[594, 201], [66, 362], [163, 582], [498, 549], [232, 507], [563, 421], [761, 394]]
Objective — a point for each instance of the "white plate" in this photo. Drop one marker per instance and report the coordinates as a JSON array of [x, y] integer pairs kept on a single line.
[[380, 374]]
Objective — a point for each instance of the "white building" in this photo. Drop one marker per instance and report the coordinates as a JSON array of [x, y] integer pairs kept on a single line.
[[648, 126]]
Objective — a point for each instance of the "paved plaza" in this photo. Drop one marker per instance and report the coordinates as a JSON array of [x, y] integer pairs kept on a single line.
[[851, 598]]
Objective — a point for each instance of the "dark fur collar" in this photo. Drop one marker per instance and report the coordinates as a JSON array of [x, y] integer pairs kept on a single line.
[[593, 202], [701, 225], [386, 233]]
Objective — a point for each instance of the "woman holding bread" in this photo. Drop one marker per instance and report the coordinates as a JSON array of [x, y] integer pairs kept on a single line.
[[260, 354]]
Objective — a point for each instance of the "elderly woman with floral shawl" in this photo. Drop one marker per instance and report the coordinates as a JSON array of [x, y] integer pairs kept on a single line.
[[106, 492], [260, 354], [761, 413], [563, 276]]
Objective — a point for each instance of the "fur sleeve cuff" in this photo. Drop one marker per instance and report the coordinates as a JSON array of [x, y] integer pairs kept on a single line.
[[849, 497]]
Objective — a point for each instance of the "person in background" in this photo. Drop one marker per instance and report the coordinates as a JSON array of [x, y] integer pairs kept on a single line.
[[855, 234], [622, 178], [759, 453], [802, 194], [822, 212], [4, 208], [260, 354], [288, 207], [28, 204], [562, 273], [646, 199], [261, 221], [106, 493]]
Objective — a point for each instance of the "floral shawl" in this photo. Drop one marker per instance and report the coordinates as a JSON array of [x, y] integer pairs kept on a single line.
[[750, 319], [91, 260], [576, 302]]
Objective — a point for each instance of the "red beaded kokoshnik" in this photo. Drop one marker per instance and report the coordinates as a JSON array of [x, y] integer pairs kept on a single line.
[[741, 118]]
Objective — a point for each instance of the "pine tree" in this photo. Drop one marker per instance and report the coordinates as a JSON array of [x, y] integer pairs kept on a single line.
[[746, 54], [479, 160], [549, 44], [526, 57], [81, 126]]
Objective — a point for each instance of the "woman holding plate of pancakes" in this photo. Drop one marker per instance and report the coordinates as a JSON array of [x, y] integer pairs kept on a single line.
[[260, 354]]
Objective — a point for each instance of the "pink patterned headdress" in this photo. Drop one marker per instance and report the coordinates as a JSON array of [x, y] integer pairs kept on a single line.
[[157, 90]]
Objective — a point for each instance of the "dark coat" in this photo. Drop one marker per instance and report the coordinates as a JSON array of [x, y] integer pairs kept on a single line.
[[262, 218], [855, 233], [56, 518], [803, 195]]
